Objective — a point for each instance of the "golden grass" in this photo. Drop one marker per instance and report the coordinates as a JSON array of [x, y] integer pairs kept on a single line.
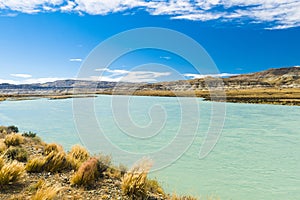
[[52, 147], [3, 147], [13, 139], [176, 197], [35, 165], [77, 156], [134, 181], [154, 187], [46, 193], [11, 172], [86, 174], [2, 162], [56, 162]]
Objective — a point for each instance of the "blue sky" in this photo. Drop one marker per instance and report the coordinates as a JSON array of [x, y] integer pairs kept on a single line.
[[46, 40]]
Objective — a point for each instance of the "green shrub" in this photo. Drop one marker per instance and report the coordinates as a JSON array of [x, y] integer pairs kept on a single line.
[[86, 174], [29, 134], [52, 148], [12, 129], [134, 181], [36, 165], [16, 153], [13, 140], [11, 172]]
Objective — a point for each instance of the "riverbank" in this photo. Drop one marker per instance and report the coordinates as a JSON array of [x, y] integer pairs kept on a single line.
[[277, 96], [33, 169]]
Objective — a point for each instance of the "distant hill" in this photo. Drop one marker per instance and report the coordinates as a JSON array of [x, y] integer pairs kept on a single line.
[[272, 78]]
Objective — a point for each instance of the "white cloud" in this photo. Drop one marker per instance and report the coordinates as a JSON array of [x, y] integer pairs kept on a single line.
[[21, 75], [75, 60], [278, 14], [117, 75], [193, 76], [31, 80]]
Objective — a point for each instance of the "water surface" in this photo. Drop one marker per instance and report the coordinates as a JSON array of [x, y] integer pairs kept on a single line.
[[257, 156]]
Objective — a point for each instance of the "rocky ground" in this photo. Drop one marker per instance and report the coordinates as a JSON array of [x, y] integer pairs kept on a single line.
[[106, 186]]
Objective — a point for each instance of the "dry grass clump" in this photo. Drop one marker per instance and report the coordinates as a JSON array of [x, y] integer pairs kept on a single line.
[[3, 147], [2, 162], [176, 197], [46, 192], [134, 181], [16, 153], [11, 172], [56, 162], [13, 139], [52, 147], [53, 162], [86, 174], [35, 165], [77, 156], [104, 162], [153, 187]]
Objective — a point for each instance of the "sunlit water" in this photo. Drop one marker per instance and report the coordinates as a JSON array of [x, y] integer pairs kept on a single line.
[[257, 156]]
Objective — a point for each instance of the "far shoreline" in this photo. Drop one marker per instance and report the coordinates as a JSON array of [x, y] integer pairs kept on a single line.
[[276, 96]]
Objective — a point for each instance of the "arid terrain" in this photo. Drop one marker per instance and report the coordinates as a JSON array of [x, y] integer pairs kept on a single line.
[[273, 86]]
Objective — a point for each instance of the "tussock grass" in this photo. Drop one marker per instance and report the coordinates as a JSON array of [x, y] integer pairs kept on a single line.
[[77, 156], [176, 197], [52, 147], [2, 162], [11, 172], [86, 174], [3, 147], [154, 187], [16, 153], [46, 193], [79, 153], [13, 139], [35, 165], [134, 181], [53, 162], [56, 162]]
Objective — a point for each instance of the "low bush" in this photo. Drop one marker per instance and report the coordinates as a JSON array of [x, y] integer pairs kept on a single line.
[[9, 129], [11, 172], [86, 174], [13, 140], [16, 153], [52, 148], [104, 162], [134, 181], [36, 165], [29, 134], [12, 129]]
